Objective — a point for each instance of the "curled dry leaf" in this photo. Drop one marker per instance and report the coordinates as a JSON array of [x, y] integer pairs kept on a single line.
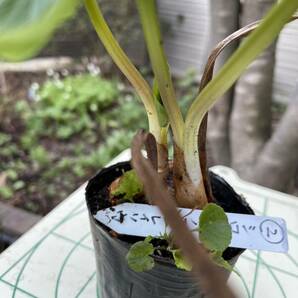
[[206, 78]]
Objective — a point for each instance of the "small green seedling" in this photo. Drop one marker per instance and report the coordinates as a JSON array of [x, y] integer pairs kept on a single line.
[[139, 257], [128, 186], [215, 234]]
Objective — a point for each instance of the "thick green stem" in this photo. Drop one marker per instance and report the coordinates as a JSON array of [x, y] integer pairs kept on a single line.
[[125, 65], [226, 77], [149, 18]]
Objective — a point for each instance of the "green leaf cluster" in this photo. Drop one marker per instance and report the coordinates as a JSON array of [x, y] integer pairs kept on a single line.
[[215, 234], [129, 186], [139, 256], [70, 106], [60, 146]]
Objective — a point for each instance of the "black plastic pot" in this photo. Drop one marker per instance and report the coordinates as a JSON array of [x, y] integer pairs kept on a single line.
[[115, 278]]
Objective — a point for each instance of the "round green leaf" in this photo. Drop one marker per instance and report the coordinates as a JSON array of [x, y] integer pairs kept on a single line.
[[214, 228], [138, 257]]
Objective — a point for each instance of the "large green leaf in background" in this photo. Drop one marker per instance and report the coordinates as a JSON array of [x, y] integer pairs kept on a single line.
[[27, 25]]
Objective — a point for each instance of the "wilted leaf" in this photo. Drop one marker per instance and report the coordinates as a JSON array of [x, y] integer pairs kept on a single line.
[[27, 25], [129, 185], [138, 257], [214, 228], [180, 261]]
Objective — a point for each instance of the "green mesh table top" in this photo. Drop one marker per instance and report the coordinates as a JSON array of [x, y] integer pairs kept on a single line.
[[55, 258]]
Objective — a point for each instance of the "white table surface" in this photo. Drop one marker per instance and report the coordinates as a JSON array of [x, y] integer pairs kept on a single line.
[[55, 258]]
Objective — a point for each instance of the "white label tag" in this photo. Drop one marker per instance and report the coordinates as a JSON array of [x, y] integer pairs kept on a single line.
[[248, 231]]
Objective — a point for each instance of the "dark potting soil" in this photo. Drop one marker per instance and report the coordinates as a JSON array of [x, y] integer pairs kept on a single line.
[[97, 196]]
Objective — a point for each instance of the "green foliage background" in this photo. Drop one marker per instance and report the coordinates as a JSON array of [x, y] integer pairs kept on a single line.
[[70, 129]]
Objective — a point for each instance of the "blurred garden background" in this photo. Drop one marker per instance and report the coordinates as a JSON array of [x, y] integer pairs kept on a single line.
[[69, 111]]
